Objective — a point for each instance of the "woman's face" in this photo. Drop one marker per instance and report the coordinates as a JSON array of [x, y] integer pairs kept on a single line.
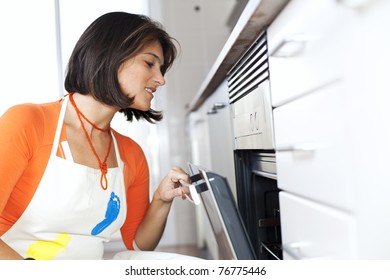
[[140, 76]]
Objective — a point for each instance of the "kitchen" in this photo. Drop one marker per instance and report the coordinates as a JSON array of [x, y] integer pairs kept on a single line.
[[317, 120]]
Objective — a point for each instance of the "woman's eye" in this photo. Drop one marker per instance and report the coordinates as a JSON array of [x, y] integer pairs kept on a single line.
[[150, 64]]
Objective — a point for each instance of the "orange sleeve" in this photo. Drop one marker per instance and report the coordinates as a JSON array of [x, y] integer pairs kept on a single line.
[[20, 134], [137, 185], [26, 136]]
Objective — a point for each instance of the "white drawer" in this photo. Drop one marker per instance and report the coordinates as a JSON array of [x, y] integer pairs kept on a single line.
[[314, 231], [305, 44], [313, 151]]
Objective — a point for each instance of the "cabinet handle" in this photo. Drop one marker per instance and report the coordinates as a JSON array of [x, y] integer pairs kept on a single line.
[[294, 250], [303, 147], [217, 106], [293, 45], [355, 3], [290, 47]]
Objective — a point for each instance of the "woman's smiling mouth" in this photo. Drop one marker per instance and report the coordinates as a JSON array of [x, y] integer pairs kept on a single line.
[[150, 90]]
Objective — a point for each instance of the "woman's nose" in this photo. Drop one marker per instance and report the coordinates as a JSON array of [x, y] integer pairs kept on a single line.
[[160, 79]]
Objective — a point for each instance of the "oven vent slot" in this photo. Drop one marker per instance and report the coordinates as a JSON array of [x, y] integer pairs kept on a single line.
[[250, 71]]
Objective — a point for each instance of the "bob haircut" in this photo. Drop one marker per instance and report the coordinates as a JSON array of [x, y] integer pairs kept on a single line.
[[103, 47]]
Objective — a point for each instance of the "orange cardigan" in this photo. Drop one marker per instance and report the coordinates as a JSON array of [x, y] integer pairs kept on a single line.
[[26, 139]]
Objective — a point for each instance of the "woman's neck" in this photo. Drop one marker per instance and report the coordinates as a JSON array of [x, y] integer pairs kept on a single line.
[[96, 112]]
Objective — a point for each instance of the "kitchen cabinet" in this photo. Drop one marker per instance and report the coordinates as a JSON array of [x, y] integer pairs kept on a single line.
[[330, 103], [315, 231], [221, 137], [328, 64], [310, 152], [305, 48]]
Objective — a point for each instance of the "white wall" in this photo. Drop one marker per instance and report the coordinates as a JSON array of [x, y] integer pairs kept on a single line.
[[28, 52], [76, 16]]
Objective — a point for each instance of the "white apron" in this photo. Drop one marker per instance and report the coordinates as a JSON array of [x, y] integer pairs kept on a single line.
[[70, 215]]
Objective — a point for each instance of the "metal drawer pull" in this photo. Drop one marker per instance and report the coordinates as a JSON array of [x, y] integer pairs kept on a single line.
[[355, 3], [303, 147], [217, 106], [294, 250]]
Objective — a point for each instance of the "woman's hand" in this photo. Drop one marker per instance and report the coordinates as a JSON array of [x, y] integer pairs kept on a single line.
[[151, 228], [173, 185]]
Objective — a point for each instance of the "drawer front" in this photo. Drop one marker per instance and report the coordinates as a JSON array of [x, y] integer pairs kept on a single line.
[[313, 153], [314, 231], [305, 46]]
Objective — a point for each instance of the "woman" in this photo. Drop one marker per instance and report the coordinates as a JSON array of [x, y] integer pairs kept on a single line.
[[72, 181]]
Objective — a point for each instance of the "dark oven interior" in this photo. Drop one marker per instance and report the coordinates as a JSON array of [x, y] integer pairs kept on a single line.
[[258, 201]]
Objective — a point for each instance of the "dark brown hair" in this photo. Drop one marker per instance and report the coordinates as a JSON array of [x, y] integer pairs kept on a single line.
[[103, 47]]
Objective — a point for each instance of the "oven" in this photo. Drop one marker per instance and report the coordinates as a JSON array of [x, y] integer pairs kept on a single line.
[[258, 201], [254, 150]]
